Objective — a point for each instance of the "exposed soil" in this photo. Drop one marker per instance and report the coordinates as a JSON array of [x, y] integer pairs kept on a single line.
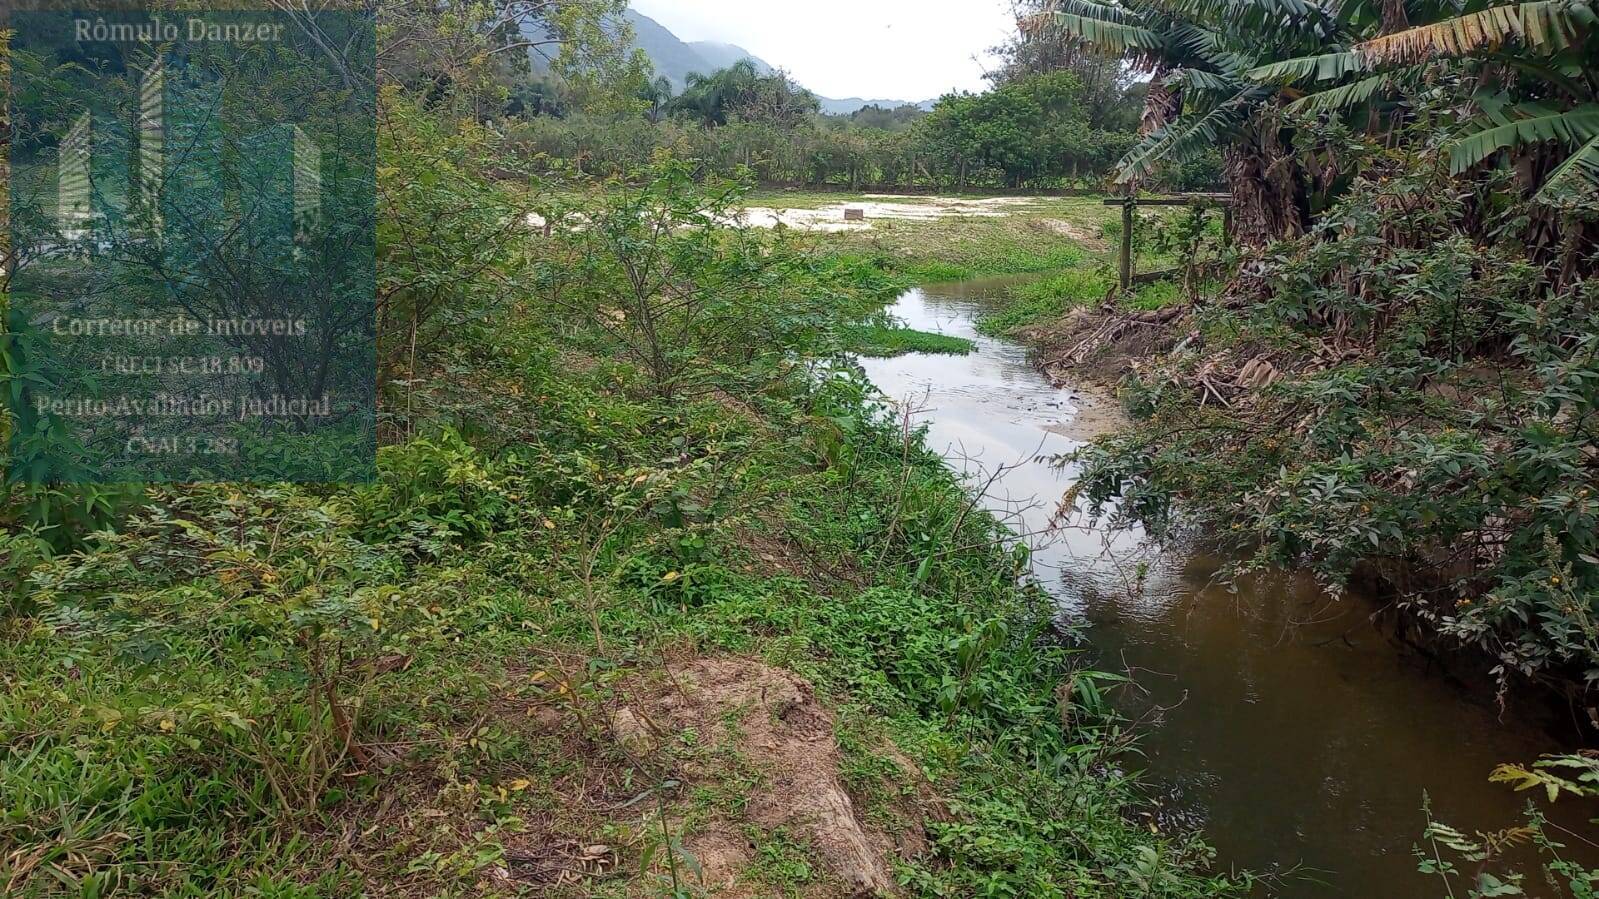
[[1098, 411], [712, 719], [1103, 346], [1089, 240]]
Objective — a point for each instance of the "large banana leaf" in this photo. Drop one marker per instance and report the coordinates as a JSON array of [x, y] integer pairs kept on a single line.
[[1346, 97], [1190, 135], [1105, 12], [1577, 174], [1321, 67], [1196, 80], [1109, 36], [1548, 25], [1197, 45], [1526, 123], [1248, 15], [1343, 97], [1149, 29]]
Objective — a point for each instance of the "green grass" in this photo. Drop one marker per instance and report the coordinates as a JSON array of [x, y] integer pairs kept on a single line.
[[121, 767], [1153, 296], [882, 341], [1031, 236], [1055, 295], [960, 249], [555, 532], [967, 248], [1047, 298]]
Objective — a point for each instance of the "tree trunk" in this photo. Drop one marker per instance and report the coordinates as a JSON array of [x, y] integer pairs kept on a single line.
[[1269, 195], [1161, 104], [1394, 17]]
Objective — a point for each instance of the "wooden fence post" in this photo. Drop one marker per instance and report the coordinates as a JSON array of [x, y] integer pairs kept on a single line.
[[1130, 203], [1127, 244]]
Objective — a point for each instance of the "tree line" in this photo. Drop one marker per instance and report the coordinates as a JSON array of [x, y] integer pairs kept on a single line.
[[1039, 126]]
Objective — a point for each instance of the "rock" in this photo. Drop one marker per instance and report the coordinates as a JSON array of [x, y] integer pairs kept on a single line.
[[632, 732]]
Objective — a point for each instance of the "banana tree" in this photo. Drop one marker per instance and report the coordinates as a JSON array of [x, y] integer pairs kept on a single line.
[[1533, 69], [1227, 72], [1528, 79], [1198, 53]]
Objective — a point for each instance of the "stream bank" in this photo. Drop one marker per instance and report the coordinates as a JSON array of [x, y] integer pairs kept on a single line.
[[1284, 723]]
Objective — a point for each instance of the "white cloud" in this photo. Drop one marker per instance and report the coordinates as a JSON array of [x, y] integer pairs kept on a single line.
[[890, 49]]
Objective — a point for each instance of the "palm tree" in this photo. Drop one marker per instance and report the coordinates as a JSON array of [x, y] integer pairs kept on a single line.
[[658, 94], [712, 98]]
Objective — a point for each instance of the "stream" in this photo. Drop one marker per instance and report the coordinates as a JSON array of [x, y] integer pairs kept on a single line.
[[1283, 723]]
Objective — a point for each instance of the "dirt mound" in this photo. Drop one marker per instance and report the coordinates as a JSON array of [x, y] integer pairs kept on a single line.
[[740, 708]]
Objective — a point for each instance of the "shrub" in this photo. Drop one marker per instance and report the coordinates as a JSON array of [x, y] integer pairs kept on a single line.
[[1430, 418]]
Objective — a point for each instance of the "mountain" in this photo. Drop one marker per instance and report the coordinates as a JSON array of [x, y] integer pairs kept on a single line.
[[848, 105], [675, 59], [720, 55]]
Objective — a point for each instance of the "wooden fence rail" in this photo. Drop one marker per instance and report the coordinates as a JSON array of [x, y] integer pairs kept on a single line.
[[1130, 203]]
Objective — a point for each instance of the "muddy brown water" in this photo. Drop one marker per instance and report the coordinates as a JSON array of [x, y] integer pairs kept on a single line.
[[1286, 725]]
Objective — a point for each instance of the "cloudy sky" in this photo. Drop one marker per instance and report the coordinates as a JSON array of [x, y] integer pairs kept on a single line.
[[888, 49]]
